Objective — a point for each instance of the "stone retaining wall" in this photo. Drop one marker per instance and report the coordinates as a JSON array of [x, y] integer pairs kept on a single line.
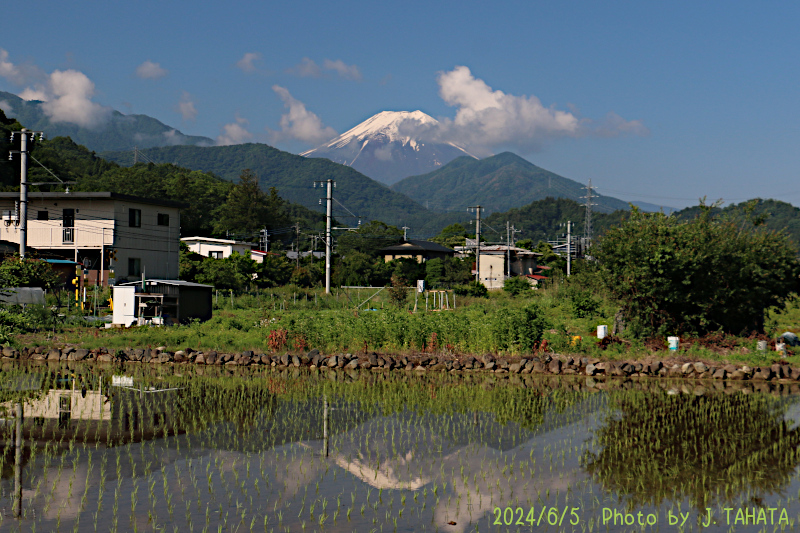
[[533, 364]]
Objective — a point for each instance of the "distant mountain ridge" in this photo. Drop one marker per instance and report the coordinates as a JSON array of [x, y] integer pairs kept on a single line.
[[121, 132], [294, 177], [385, 147], [498, 183]]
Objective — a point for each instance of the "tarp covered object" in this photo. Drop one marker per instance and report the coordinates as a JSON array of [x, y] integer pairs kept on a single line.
[[22, 295]]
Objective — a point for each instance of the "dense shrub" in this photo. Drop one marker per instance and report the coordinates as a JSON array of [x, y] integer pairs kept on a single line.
[[517, 285], [696, 276], [518, 329], [473, 288]]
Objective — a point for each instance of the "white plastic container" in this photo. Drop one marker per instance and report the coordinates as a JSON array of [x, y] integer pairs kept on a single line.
[[602, 332], [762, 346], [673, 343]]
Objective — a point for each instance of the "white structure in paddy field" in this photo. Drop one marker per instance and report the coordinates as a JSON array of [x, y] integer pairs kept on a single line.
[[106, 232]]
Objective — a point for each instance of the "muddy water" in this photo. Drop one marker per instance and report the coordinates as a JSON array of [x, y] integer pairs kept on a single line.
[[332, 452]]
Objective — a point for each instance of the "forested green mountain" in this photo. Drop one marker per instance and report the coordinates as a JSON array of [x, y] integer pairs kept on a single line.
[[294, 176], [546, 219], [497, 183], [119, 132]]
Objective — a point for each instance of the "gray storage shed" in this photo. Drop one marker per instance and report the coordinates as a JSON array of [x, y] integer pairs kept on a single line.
[[175, 301]]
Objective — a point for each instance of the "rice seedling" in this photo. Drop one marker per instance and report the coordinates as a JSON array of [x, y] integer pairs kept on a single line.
[[227, 451]]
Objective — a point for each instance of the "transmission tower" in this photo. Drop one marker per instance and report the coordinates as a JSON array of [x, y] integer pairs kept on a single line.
[[587, 227]]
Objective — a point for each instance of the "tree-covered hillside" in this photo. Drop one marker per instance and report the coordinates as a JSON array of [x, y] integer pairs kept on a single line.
[[497, 183], [118, 132], [294, 176]]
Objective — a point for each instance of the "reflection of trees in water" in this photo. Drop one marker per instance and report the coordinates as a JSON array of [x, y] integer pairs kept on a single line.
[[655, 447]]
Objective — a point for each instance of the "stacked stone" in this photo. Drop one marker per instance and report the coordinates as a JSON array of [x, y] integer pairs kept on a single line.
[[530, 364]]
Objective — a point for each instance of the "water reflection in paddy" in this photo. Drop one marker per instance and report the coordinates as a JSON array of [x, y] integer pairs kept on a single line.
[[404, 453]]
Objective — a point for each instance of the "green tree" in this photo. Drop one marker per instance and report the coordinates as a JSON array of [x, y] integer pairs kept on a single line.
[[31, 272], [274, 271], [517, 285], [234, 272], [248, 209], [369, 238], [696, 276], [452, 235]]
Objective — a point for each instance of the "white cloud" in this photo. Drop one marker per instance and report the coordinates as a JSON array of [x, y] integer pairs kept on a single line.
[[300, 123], [234, 133], [19, 74], [487, 118], [9, 70], [348, 72], [614, 125], [150, 71], [6, 107], [186, 107], [71, 100], [246, 63], [66, 94], [174, 137], [39, 93], [307, 68]]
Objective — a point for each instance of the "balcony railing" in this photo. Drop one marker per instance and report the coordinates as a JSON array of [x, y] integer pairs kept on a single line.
[[69, 236]]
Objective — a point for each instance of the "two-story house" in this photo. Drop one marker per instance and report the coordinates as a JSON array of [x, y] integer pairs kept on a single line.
[[112, 235]]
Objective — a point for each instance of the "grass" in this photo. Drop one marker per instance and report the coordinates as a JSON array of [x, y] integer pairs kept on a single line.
[[332, 323]]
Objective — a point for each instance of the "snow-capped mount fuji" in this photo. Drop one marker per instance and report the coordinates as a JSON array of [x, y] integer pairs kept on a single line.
[[382, 148]]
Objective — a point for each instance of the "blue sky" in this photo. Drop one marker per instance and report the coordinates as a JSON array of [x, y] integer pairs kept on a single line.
[[661, 102]]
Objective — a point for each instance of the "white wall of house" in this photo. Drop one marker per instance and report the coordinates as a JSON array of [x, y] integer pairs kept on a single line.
[[217, 248], [148, 238], [493, 271], [494, 267]]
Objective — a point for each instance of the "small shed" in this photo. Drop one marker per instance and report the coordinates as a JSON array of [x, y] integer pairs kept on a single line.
[[161, 301]]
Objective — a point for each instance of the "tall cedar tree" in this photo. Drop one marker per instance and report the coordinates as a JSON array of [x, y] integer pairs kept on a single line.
[[248, 209]]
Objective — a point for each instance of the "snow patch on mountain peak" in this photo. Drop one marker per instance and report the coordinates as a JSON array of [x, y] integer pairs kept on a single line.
[[385, 126]]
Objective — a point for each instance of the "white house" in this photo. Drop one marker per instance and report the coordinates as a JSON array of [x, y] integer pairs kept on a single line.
[[495, 263], [218, 248], [114, 236]]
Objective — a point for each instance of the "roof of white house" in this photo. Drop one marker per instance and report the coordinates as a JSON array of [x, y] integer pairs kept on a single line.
[[210, 240], [498, 249]]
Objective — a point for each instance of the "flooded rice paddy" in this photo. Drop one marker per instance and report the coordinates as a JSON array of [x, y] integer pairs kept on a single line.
[[170, 449]]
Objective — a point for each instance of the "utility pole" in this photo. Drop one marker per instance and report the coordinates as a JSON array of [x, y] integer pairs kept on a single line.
[[508, 249], [478, 210], [265, 239], [587, 230], [297, 259], [328, 216], [23, 185], [569, 247]]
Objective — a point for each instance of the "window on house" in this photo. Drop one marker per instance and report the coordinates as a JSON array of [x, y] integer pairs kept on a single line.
[[69, 218], [134, 266], [135, 218], [42, 215], [163, 219], [215, 255]]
